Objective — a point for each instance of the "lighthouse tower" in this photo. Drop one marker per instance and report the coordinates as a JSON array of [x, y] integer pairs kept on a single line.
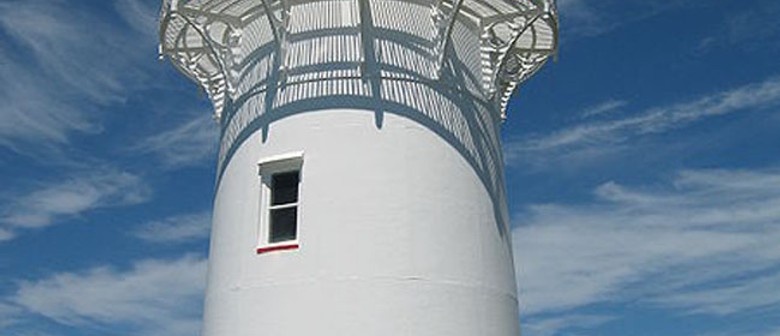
[[360, 186]]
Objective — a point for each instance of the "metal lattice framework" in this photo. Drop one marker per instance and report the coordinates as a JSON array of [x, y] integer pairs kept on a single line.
[[203, 39]]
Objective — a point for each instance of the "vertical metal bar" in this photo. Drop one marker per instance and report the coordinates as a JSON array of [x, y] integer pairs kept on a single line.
[[366, 38]]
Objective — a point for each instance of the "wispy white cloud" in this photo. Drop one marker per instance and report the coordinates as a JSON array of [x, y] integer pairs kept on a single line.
[[30, 113], [577, 13], [770, 331], [9, 315], [554, 325], [775, 332], [6, 235], [154, 297], [605, 107], [756, 23], [191, 143], [590, 18], [752, 28], [59, 68], [612, 133], [73, 196], [755, 292], [140, 16], [706, 243], [176, 228]]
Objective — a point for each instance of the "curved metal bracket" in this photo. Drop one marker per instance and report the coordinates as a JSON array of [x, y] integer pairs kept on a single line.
[[504, 64], [216, 85], [280, 29], [443, 24]]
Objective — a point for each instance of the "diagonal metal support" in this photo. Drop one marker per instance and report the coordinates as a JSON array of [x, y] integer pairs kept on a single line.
[[443, 24], [280, 28]]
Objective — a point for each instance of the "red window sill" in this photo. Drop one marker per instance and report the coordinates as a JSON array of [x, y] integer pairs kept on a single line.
[[266, 249]]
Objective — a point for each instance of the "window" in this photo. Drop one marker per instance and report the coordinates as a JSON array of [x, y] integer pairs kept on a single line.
[[280, 187]]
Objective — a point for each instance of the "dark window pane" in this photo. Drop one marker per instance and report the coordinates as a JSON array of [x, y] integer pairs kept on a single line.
[[284, 188], [283, 224]]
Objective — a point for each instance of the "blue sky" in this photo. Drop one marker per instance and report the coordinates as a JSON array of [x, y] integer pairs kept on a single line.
[[642, 168]]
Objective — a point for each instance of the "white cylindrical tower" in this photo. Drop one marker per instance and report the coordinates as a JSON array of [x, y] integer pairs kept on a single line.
[[360, 188]]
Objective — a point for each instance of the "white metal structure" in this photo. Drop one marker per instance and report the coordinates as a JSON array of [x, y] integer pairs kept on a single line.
[[360, 184]]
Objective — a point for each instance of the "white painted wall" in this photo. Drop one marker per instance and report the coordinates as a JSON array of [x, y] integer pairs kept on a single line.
[[398, 237]]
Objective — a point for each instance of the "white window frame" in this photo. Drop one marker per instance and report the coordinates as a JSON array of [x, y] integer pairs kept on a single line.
[[268, 167]]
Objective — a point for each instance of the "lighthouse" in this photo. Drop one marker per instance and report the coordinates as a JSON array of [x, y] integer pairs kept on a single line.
[[360, 185]]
